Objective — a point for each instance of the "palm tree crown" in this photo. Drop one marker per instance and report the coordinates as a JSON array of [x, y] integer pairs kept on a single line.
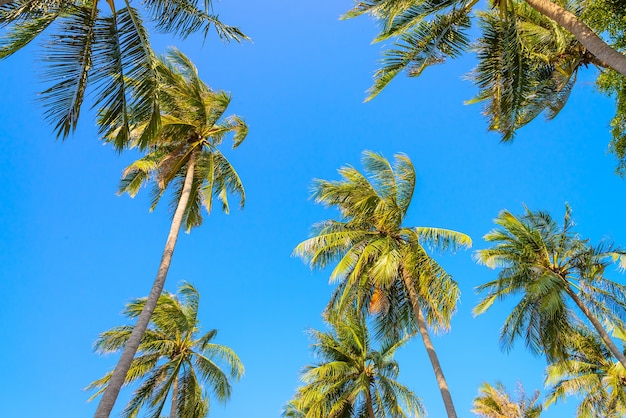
[[173, 359], [549, 265], [105, 46], [352, 379], [192, 128], [529, 52], [495, 402], [590, 373]]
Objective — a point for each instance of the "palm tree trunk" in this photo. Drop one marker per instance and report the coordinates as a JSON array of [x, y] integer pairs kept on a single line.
[[174, 396], [596, 324], [119, 374], [432, 355], [368, 402], [592, 42]]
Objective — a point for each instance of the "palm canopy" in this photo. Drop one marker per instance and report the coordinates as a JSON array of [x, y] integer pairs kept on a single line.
[[192, 128], [174, 359], [495, 402], [352, 379], [527, 63], [102, 46], [549, 265], [590, 373], [380, 263], [369, 243]]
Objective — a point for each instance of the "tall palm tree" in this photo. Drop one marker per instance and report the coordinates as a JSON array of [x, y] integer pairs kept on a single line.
[[376, 254], [352, 379], [550, 265], [186, 159], [590, 373], [174, 360], [103, 46], [495, 402]]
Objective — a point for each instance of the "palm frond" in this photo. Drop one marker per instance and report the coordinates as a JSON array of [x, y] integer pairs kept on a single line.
[[425, 44], [69, 60], [183, 17]]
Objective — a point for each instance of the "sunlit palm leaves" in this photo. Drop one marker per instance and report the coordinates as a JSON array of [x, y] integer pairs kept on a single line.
[[107, 49], [382, 267], [352, 379], [369, 243], [173, 359], [549, 266], [495, 402], [422, 44], [527, 63], [192, 128], [591, 374]]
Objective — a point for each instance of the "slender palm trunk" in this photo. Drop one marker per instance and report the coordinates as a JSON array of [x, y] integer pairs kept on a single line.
[[174, 397], [368, 402], [596, 324], [592, 42], [119, 374], [430, 348]]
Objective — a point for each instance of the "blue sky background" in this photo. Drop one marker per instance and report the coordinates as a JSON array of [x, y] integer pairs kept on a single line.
[[73, 253]]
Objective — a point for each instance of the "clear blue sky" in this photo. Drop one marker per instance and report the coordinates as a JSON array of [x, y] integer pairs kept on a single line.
[[73, 253]]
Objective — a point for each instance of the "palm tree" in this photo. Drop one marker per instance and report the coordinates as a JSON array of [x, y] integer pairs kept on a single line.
[[185, 156], [548, 266], [174, 360], [352, 379], [527, 65], [529, 52], [107, 50], [495, 402], [377, 255], [589, 372]]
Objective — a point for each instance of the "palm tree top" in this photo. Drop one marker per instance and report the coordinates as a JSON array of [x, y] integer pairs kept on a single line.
[[549, 265], [173, 356], [351, 377], [193, 127]]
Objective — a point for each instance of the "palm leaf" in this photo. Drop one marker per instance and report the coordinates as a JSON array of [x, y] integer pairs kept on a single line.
[[69, 62]]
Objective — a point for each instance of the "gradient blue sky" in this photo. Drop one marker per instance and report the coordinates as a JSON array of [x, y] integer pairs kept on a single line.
[[73, 253]]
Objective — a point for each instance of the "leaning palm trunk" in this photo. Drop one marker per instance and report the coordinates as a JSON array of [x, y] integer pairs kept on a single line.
[[119, 374], [174, 397], [596, 324], [432, 354], [592, 42], [370, 406]]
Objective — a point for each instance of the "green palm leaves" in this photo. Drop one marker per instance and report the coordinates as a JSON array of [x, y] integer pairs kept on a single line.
[[550, 266], [107, 50], [370, 241], [382, 266], [590, 373], [192, 128], [495, 402], [527, 62], [352, 378], [173, 359], [527, 65]]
